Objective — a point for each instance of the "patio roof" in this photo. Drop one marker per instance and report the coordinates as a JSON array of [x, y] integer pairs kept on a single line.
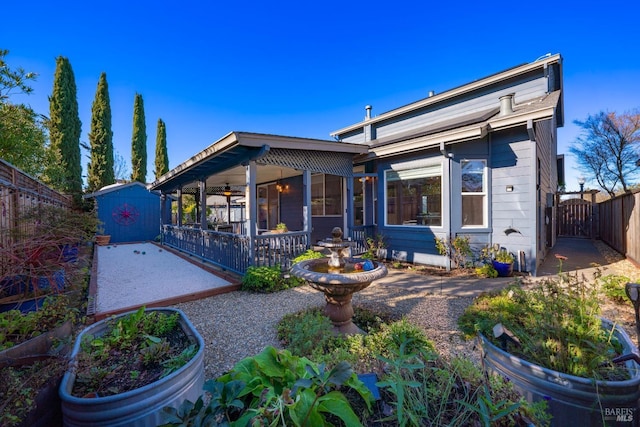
[[224, 161]]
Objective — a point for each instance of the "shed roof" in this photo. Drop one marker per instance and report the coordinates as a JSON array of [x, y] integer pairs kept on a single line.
[[116, 187]]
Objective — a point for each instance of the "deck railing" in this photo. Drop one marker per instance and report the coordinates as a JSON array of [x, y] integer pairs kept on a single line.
[[231, 251], [359, 236]]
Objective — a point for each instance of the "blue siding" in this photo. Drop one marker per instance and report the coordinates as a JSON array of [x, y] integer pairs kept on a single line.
[[135, 202], [513, 163], [533, 86]]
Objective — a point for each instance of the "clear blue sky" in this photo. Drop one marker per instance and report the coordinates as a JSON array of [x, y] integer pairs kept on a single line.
[[307, 68]]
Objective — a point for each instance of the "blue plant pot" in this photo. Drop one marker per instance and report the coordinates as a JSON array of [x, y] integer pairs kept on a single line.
[[54, 283], [503, 269], [70, 253]]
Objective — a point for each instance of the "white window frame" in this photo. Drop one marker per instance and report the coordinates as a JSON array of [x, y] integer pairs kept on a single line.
[[484, 193]]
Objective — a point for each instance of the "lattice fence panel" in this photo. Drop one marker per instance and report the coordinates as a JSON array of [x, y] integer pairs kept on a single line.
[[316, 161]]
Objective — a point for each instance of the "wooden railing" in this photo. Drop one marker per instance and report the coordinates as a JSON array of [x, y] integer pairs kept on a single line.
[[232, 251], [359, 236]]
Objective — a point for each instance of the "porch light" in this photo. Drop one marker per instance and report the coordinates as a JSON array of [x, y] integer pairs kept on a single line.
[[227, 190], [281, 188]]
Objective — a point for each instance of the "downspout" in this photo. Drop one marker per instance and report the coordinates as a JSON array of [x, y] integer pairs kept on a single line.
[[447, 155]]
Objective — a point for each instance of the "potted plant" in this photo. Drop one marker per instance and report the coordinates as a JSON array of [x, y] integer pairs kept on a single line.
[[33, 351], [550, 343], [123, 370], [281, 228], [503, 262]]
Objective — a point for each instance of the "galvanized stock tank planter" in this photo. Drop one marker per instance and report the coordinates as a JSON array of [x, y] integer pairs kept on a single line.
[[572, 400], [141, 407]]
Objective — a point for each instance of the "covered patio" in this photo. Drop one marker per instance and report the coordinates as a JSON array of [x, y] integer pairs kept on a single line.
[[263, 180]]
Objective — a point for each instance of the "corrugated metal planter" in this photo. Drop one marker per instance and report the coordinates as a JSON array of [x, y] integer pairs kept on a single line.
[[141, 407], [572, 400]]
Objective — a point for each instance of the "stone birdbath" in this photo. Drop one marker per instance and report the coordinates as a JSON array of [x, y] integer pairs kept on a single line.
[[339, 277]]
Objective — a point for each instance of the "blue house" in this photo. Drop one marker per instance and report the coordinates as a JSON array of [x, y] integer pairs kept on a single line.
[[479, 161], [128, 212]]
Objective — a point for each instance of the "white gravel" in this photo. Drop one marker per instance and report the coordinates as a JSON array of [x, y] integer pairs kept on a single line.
[[138, 273]]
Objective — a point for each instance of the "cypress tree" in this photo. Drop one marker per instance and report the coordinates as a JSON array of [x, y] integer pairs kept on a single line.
[[162, 158], [139, 142], [100, 170], [65, 128]]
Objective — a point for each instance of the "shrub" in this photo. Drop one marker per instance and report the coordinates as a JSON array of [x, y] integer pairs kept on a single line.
[[420, 388], [556, 323], [268, 279], [614, 288], [309, 254], [486, 271], [374, 247], [277, 388], [456, 249]]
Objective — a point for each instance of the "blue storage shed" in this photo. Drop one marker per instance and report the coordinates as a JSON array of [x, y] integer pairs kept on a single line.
[[129, 212]]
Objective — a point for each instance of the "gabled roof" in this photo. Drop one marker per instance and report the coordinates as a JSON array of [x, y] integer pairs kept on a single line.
[[115, 187], [477, 85]]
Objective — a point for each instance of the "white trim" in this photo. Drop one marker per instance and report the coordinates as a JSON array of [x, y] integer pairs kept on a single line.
[[484, 193], [413, 144]]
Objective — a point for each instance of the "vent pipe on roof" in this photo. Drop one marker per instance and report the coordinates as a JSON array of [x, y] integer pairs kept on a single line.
[[431, 93], [368, 109], [506, 104]]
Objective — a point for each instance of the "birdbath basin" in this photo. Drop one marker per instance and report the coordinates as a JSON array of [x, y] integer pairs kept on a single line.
[[338, 278]]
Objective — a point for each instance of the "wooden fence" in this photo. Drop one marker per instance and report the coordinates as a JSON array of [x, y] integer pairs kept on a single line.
[[620, 224], [20, 192]]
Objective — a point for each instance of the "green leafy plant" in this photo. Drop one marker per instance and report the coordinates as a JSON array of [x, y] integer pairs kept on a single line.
[[268, 279], [224, 406], [613, 287], [149, 341], [504, 257], [281, 227], [457, 249], [274, 388], [309, 254], [375, 246], [556, 323], [486, 271]]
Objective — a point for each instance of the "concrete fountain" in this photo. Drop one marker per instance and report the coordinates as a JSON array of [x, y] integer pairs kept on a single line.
[[339, 277]]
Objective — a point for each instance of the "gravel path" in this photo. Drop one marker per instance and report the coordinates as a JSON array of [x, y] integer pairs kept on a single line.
[[240, 324]]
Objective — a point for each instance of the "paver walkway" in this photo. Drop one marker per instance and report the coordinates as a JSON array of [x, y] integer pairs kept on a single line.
[[581, 254]]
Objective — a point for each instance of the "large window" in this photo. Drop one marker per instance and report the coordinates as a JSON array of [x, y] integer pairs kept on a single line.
[[414, 196], [474, 193], [326, 195]]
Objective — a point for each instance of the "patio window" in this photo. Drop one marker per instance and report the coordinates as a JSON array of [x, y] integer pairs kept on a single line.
[[414, 196], [326, 195], [474, 193]]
